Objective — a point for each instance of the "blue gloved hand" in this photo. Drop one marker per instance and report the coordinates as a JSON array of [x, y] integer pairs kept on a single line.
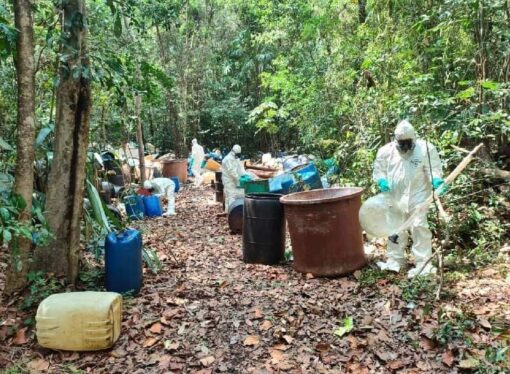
[[383, 185], [245, 178], [439, 184]]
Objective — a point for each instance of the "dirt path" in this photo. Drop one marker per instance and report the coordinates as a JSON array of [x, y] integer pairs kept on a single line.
[[206, 311]]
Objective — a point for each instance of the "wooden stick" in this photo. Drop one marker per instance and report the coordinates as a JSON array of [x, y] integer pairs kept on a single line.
[[449, 179]]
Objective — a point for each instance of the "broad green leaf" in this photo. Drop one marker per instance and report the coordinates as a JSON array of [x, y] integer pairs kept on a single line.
[[43, 134], [97, 206], [466, 94], [490, 85], [4, 145], [6, 235], [346, 328]]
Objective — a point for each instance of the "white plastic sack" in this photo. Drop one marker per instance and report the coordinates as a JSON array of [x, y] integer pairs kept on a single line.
[[380, 217]]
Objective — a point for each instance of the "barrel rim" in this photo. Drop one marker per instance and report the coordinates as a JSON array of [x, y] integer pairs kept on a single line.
[[292, 200], [263, 196], [173, 161]]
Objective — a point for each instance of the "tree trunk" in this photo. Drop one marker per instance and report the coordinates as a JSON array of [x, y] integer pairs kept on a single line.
[[362, 11], [64, 200], [25, 73], [170, 103], [139, 137]]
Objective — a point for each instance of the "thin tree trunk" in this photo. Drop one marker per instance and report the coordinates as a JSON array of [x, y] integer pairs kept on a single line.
[[362, 11], [64, 200], [25, 72], [170, 103], [139, 137]]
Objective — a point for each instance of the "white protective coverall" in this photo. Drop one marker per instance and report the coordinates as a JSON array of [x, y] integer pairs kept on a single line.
[[160, 187], [409, 178], [197, 152], [232, 171]]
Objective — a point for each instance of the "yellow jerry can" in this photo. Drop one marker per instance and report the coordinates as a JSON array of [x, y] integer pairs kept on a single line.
[[79, 321]]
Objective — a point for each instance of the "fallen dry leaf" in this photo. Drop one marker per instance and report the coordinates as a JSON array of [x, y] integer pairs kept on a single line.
[[469, 363], [251, 340], [266, 325], [289, 339], [156, 328], [257, 314], [276, 356], [20, 337], [39, 364], [207, 361], [427, 344], [397, 364], [386, 356], [323, 347], [149, 342], [448, 358]]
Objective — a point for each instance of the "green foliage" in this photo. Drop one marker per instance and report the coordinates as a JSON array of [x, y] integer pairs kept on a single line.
[[40, 286], [92, 277], [418, 288]]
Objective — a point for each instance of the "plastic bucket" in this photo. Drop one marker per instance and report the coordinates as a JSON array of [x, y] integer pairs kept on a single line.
[[235, 216], [259, 185], [175, 168], [325, 231], [153, 206], [123, 262], [263, 229], [135, 208], [212, 165]]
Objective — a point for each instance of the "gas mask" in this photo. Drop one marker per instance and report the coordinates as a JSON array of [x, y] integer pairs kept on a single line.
[[405, 145]]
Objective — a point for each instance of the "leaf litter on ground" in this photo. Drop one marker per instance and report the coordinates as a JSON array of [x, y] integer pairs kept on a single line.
[[206, 311]]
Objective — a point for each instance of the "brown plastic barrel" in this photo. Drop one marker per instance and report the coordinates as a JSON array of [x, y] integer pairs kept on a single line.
[[175, 168], [235, 216], [325, 232]]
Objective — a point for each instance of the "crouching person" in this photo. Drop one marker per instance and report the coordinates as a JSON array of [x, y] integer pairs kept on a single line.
[[163, 187]]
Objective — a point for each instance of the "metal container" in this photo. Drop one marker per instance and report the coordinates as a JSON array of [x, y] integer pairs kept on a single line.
[[324, 229], [235, 216], [175, 168], [263, 229]]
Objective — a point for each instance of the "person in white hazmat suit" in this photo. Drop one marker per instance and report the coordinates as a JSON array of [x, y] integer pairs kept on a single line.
[[197, 153], [402, 169], [232, 173], [163, 187]]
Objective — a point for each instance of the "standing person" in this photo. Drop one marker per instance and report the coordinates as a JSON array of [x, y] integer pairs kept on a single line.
[[197, 153], [402, 169], [232, 173], [163, 187]]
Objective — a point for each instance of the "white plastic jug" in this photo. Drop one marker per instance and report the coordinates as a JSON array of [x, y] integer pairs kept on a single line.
[[380, 217], [79, 321]]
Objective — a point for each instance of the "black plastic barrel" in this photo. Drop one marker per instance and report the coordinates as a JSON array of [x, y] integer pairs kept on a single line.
[[263, 229], [235, 216]]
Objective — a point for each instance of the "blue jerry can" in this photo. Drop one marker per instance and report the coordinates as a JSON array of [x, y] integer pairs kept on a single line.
[[134, 207], [123, 261], [153, 206]]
